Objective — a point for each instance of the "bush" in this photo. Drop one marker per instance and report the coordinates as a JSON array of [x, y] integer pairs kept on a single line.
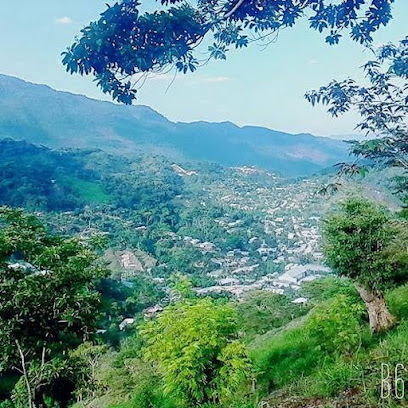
[[336, 325], [397, 300], [323, 289], [195, 346]]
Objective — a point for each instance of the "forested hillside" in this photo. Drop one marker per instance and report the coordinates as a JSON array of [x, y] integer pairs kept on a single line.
[[183, 214], [37, 178], [38, 114], [151, 264], [162, 239]]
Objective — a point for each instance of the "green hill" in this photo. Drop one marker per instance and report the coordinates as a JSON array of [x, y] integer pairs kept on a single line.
[[39, 114], [36, 177]]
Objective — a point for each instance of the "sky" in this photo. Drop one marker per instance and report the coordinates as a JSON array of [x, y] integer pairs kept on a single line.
[[255, 86]]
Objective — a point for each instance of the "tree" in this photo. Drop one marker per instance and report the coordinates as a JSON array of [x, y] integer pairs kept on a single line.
[[234, 241], [181, 286], [86, 361], [126, 42], [196, 348], [362, 243], [382, 105], [48, 304]]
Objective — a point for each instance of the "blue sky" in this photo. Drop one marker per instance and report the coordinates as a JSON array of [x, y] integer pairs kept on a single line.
[[256, 86]]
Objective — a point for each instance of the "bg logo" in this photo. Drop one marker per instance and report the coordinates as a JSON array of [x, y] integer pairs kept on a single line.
[[392, 381]]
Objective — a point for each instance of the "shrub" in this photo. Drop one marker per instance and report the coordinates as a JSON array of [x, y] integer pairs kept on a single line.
[[323, 289], [336, 325], [398, 302], [195, 346]]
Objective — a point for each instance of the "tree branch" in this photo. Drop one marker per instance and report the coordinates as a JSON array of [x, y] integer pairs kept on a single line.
[[234, 9], [25, 374]]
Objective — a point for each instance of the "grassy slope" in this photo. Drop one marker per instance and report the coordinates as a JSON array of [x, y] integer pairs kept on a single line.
[[296, 372], [292, 370], [89, 191]]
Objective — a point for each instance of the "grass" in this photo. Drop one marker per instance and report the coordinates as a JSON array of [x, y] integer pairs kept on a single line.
[[292, 363], [284, 358], [291, 367], [89, 191], [397, 301]]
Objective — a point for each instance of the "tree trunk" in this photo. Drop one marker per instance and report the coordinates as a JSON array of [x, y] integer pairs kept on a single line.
[[380, 317]]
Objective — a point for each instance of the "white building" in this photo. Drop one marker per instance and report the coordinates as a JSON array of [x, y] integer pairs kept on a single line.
[[126, 322], [300, 301]]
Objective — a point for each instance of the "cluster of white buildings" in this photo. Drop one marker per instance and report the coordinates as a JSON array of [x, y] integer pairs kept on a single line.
[[292, 279], [204, 247], [298, 274]]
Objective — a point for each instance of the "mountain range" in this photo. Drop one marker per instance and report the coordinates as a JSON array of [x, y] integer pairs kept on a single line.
[[41, 115]]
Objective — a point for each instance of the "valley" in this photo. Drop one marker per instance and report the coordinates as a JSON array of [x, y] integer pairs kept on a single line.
[[150, 231], [178, 229], [231, 230]]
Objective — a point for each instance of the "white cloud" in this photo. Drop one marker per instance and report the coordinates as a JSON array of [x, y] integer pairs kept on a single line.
[[312, 61], [63, 20]]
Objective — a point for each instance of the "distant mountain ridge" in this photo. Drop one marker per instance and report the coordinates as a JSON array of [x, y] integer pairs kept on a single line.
[[41, 115]]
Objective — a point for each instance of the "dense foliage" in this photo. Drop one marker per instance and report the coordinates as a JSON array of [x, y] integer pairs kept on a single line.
[[382, 105], [363, 244], [48, 304], [196, 347], [126, 41], [337, 325], [41, 179], [51, 180]]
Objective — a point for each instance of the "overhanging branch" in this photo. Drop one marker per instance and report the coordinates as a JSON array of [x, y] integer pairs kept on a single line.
[[234, 9]]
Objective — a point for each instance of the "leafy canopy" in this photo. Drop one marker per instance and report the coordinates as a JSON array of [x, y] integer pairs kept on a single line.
[[47, 297], [362, 243], [127, 42], [383, 106]]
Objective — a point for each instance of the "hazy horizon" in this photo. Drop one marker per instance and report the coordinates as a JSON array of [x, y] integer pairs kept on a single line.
[[40, 31], [348, 136]]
